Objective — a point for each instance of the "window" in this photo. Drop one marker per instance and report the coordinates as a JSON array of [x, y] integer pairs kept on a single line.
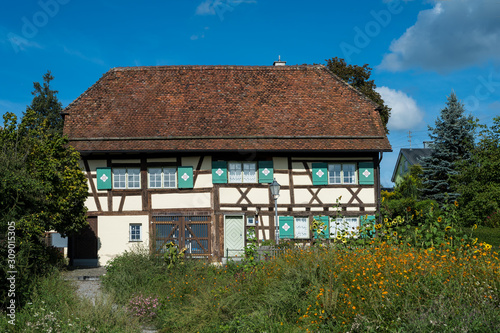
[[135, 232], [124, 178], [161, 177], [347, 226], [242, 172], [301, 227], [344, 173]]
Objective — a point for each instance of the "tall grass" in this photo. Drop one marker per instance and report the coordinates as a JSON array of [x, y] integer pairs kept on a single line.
[[367, 289], [55, 307]]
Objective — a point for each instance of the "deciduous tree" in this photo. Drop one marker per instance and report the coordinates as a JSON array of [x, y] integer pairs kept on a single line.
[[359, 78]]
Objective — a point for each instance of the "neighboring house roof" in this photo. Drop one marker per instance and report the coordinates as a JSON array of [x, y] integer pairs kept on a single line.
[[162, 108], [412, 155]]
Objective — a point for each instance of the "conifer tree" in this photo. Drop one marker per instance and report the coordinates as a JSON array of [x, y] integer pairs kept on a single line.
[[453, 140], [46, 106]]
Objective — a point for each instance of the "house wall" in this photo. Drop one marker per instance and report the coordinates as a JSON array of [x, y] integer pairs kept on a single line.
[[113, 237], [299, 197]]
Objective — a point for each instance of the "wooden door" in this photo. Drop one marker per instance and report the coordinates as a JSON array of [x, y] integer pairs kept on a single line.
[[234, 241]]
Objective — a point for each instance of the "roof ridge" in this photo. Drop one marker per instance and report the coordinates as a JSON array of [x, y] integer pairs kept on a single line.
[[231, 67]]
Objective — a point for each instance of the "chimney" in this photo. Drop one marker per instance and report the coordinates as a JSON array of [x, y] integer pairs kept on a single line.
[[428, 144], [279, 62]]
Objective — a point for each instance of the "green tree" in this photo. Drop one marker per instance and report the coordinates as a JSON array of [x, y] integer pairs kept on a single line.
[[411, 185], [46, 106], [41, 188], [479, 179], [453, 140], [359, 78]]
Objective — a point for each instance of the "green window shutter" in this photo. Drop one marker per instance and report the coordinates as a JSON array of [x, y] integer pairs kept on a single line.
[[320, 173], [266, 172], [104, 181], [185, 177], [325, 233], [219, 172], [366, 176], [286, 226], [363, 220]]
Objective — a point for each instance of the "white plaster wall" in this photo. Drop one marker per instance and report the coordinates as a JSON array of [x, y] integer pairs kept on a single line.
[[131, 203], [330, 195], [113, 234], [284, 198], [228, 195], [116, 203], [181, 200], [90, 204], [264, 221], [104, 203], [302, 180], [258, 196], [203, 181], [282, 179], [302, 196], [367, 195]]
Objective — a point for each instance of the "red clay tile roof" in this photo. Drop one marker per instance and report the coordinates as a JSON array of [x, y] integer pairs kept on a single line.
[[223, 108]]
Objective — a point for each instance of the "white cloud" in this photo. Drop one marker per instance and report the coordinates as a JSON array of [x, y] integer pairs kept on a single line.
[[82, 56], [451, 35], [212, 7], [405, 113], [205, 8]]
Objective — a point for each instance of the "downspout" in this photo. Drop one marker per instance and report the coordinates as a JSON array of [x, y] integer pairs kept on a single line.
[[379, 190]]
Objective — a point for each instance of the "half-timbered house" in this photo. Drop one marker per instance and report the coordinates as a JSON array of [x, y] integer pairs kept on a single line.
[[186, 154]]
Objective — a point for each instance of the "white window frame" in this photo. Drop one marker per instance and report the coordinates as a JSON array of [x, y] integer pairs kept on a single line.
[[237, 175], [341, 179], [349, 225], [163, 177], [134, 232], [129, 178]]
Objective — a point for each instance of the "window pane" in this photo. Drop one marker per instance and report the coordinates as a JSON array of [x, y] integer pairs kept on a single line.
[[349, 173], [134, 179], [337, 227], [234, 172], [169, 177], [352, 225], [301, 225], [119, 178], [249, 173], [334, 173], [154, 177], [135, 232]]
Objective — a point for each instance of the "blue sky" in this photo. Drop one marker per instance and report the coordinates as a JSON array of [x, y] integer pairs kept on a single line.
[[419, 50]]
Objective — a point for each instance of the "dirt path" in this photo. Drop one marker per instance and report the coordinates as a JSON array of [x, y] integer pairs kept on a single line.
[[88, 282]]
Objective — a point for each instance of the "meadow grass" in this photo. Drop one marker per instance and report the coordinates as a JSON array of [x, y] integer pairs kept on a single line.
[[376, 288], [55, 307], [488, 235]]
